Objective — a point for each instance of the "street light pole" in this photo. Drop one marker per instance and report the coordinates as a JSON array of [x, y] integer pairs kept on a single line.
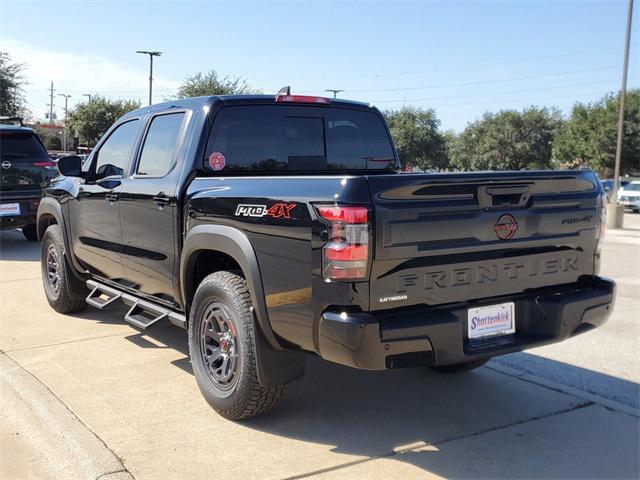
[[335, 91], [152, 53], [615, 219], [87, 95], [64, 130]]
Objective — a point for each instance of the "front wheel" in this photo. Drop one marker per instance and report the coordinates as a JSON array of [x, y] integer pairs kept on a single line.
[[64, 292], [222, 346], [459, 367]]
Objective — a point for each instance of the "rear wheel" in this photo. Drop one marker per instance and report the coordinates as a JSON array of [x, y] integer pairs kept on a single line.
[[64, 292], [222, 346], [30, 232], [459, 367]]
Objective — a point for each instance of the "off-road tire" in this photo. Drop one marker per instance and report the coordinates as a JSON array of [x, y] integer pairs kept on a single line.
[[246, 397], [459, 367], [70, 293], [30, 232]]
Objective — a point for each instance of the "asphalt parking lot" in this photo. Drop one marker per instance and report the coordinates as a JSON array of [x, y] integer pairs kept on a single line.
[[88, 396]]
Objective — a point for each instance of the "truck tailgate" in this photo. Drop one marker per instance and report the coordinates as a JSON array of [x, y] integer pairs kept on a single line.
[[445, 238]]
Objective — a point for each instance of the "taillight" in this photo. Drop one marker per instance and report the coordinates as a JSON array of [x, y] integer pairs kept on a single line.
[[346, 253], [301, 99], [48, 164], [600, 230], [602, 204], [34, 203]]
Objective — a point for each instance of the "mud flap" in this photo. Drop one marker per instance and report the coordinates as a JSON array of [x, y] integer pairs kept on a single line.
[[277, 367]]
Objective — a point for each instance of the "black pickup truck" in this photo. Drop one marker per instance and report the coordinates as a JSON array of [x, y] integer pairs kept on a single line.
[[275, 226]]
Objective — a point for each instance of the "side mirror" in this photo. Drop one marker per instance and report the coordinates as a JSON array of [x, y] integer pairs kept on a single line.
[[70, 166]]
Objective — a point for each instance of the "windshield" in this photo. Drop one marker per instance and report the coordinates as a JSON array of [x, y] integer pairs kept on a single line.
[[633, 187]]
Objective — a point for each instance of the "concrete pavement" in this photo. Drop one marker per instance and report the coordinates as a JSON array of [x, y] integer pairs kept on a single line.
[[606, 361], [564, 411], [37, 431]]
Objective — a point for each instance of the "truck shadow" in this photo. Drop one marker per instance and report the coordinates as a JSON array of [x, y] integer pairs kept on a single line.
[[431, 421], [13, 246]]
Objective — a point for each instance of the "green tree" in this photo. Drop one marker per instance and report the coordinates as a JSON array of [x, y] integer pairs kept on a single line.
[[210, 83], [417, 138], [589, 136], [51, 142], [90, 120], [450, 138], [12, 100], [508, 140]]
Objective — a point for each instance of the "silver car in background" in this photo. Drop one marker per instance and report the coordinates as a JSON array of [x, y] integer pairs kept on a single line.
[[629, 196]]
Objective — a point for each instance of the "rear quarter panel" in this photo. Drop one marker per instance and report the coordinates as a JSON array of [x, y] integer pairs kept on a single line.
[[277, 216]]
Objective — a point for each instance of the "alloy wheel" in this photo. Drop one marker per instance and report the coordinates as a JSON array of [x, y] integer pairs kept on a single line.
[[219, 345], [53, 269]]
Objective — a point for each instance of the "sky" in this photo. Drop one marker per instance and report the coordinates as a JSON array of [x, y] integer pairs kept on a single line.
[[461, 58]]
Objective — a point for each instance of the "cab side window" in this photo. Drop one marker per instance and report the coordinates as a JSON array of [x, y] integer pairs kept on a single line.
[[116, 151], [161, 145]]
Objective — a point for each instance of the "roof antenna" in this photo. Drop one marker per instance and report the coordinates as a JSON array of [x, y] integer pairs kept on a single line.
[[284, 91]]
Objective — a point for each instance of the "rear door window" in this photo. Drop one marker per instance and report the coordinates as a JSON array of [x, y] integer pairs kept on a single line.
[[160, 145], [299, 138]]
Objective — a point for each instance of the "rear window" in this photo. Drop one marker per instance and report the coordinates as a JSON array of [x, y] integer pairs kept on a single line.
[[297, 138], [21, 144], [21, 154]]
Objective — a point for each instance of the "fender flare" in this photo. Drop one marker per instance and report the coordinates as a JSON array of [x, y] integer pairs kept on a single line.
[[234, 243], [50, 206]]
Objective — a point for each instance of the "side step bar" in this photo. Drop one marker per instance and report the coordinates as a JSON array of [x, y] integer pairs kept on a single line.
[[142, 313]]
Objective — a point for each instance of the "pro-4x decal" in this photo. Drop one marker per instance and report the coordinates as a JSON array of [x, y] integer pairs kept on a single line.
[[277, 210]]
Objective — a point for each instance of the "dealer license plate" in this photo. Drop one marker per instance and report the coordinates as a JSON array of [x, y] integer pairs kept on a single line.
[[9, 209], [491, 320]]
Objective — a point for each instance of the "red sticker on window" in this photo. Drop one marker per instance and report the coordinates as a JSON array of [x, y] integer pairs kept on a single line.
[[216, 161]]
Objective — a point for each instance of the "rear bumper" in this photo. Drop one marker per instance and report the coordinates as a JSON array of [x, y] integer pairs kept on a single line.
[[17, 221], [27, 214], [438, 335], [631, 203]]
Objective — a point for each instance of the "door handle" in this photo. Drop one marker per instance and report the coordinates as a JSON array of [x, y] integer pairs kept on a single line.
[[111, 197], [161, 200]]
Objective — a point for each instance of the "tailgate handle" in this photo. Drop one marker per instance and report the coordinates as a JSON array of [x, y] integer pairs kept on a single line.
[[496, 197]]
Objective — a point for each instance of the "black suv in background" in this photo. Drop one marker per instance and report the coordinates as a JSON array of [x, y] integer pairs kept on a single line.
[[25, 169]]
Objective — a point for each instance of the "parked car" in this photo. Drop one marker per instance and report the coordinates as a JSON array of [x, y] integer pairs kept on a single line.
[[25, 169], [274, 226], [608, 184], [629, 196]]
